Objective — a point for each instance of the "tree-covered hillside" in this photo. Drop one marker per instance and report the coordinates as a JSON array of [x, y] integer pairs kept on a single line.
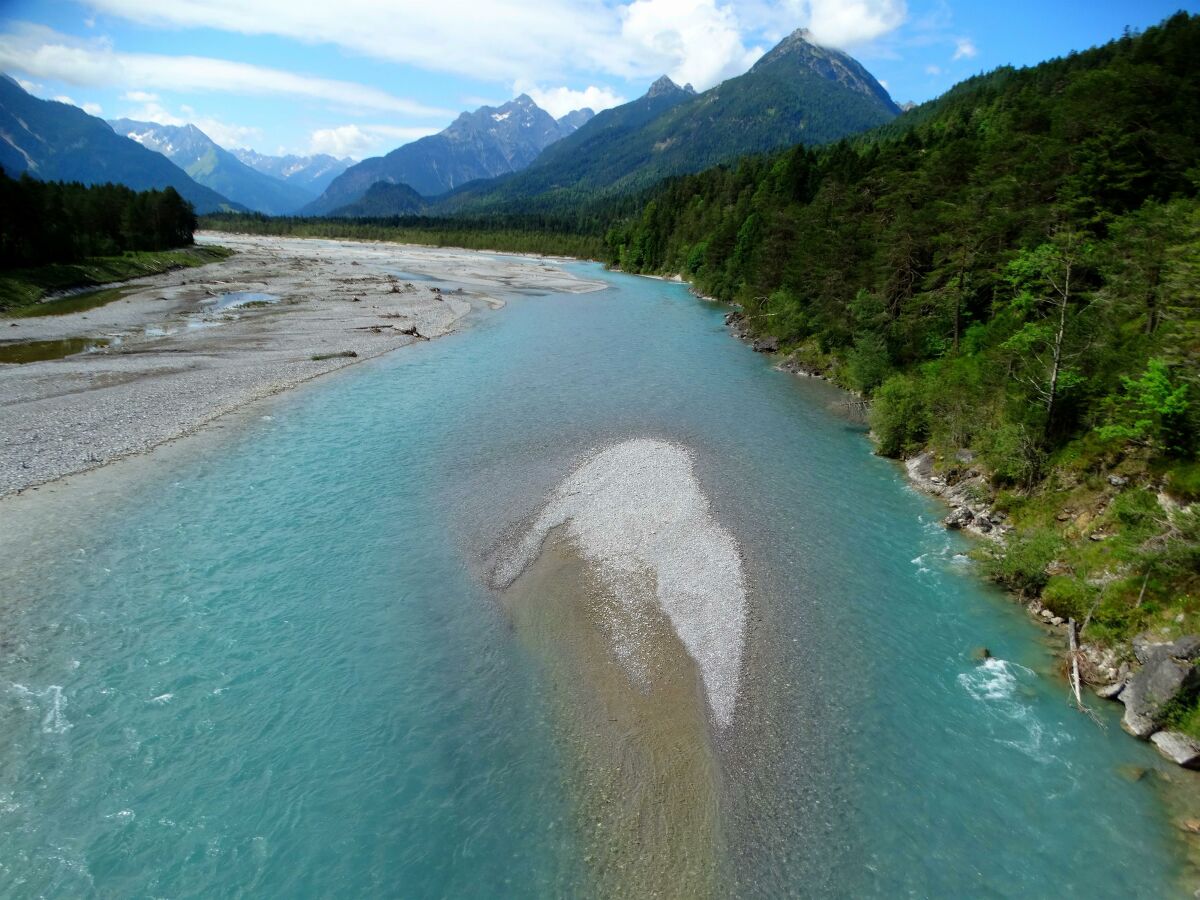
[[1013, 269]]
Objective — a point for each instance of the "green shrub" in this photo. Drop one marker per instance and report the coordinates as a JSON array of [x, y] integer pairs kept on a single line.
[[1021, 565], [1136, 509], [1012, 454], [1067, 596], [898, 416], [1183, 482]]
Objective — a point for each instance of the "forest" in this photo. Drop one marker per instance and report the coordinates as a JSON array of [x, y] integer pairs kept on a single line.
[[43, 222]]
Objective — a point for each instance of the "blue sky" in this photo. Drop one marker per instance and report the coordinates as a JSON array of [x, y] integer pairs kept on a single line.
[[360, 77]]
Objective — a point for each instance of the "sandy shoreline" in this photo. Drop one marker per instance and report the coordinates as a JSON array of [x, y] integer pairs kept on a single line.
[[177, 361]]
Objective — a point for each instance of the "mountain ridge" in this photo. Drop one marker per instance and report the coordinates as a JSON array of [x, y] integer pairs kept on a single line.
[[312, 173], [213, 166], [55, 141], [486, 142], [797, 93]]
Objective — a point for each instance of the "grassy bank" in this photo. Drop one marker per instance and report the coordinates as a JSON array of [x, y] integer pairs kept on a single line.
[[22, 290]]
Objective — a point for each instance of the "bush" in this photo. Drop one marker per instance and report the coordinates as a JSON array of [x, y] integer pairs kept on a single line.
[[898, 416], [1068, 596], [1136, 509], [868, 363], [1021, 566], [1183, 482], [1011, 453]]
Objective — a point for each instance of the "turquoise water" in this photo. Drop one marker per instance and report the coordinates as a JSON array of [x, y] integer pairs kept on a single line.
[[272, 669]]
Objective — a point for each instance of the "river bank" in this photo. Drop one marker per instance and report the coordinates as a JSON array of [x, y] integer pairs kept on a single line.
[[181, 349]]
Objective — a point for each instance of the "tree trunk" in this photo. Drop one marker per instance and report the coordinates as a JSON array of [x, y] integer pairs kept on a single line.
[[1056, 360]]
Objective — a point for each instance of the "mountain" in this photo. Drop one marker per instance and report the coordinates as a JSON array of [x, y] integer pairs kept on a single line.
[[798, 93], [58, 142], [311, 173], [575, 119], [482, 144], [215, 167], [381, 200]]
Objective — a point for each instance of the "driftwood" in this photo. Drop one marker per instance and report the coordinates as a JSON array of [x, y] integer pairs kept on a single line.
[[1074, 644], [1076, 683]]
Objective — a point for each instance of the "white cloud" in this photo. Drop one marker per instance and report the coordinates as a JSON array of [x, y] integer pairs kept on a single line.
[[964, 48], [835, 23], [359, 141], [693, 41], [46, 54], [933, 70], [140, 97], [499, 40], [509, 40], [92, 109], [848, 23], [558, 101], [31, 87]]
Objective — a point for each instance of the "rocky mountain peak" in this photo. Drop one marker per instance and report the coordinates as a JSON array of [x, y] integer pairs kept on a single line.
[[798, 54], [665, 85]]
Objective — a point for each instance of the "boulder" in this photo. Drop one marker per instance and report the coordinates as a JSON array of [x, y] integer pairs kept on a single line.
[[1110, 691], [1166, 674], [961, 517], [920, 470], [766, 345], [1177, 747], [1147, 646]]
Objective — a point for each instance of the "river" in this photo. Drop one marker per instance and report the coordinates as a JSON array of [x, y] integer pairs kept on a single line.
[[271, 665]]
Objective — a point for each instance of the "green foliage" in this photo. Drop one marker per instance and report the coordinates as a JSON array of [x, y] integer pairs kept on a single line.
[[43, 222], [898, 416], [21, 290], [1152, 410], [1068, 596], [1011, 453], [507, 234], [1022, 567], [1136, 509], [868, 362], [1183, 481]]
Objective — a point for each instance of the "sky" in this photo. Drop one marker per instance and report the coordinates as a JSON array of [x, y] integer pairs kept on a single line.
[[359, 77]]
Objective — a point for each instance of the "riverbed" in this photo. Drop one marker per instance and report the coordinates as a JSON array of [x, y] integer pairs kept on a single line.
[[272, 658]]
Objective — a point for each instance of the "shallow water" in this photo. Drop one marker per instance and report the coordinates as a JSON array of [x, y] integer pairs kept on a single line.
[[20, 352], [238, 299], [273, 669]]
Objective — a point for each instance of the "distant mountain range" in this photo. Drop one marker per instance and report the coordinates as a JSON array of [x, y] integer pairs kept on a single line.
[[58, 142], [509, 158], [312, 173], [215, 167], [799, 92], [485, 143]]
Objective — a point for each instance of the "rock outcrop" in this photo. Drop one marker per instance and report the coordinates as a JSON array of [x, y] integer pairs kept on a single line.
[[964, 488], [1179, 748], [1167, 674]]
